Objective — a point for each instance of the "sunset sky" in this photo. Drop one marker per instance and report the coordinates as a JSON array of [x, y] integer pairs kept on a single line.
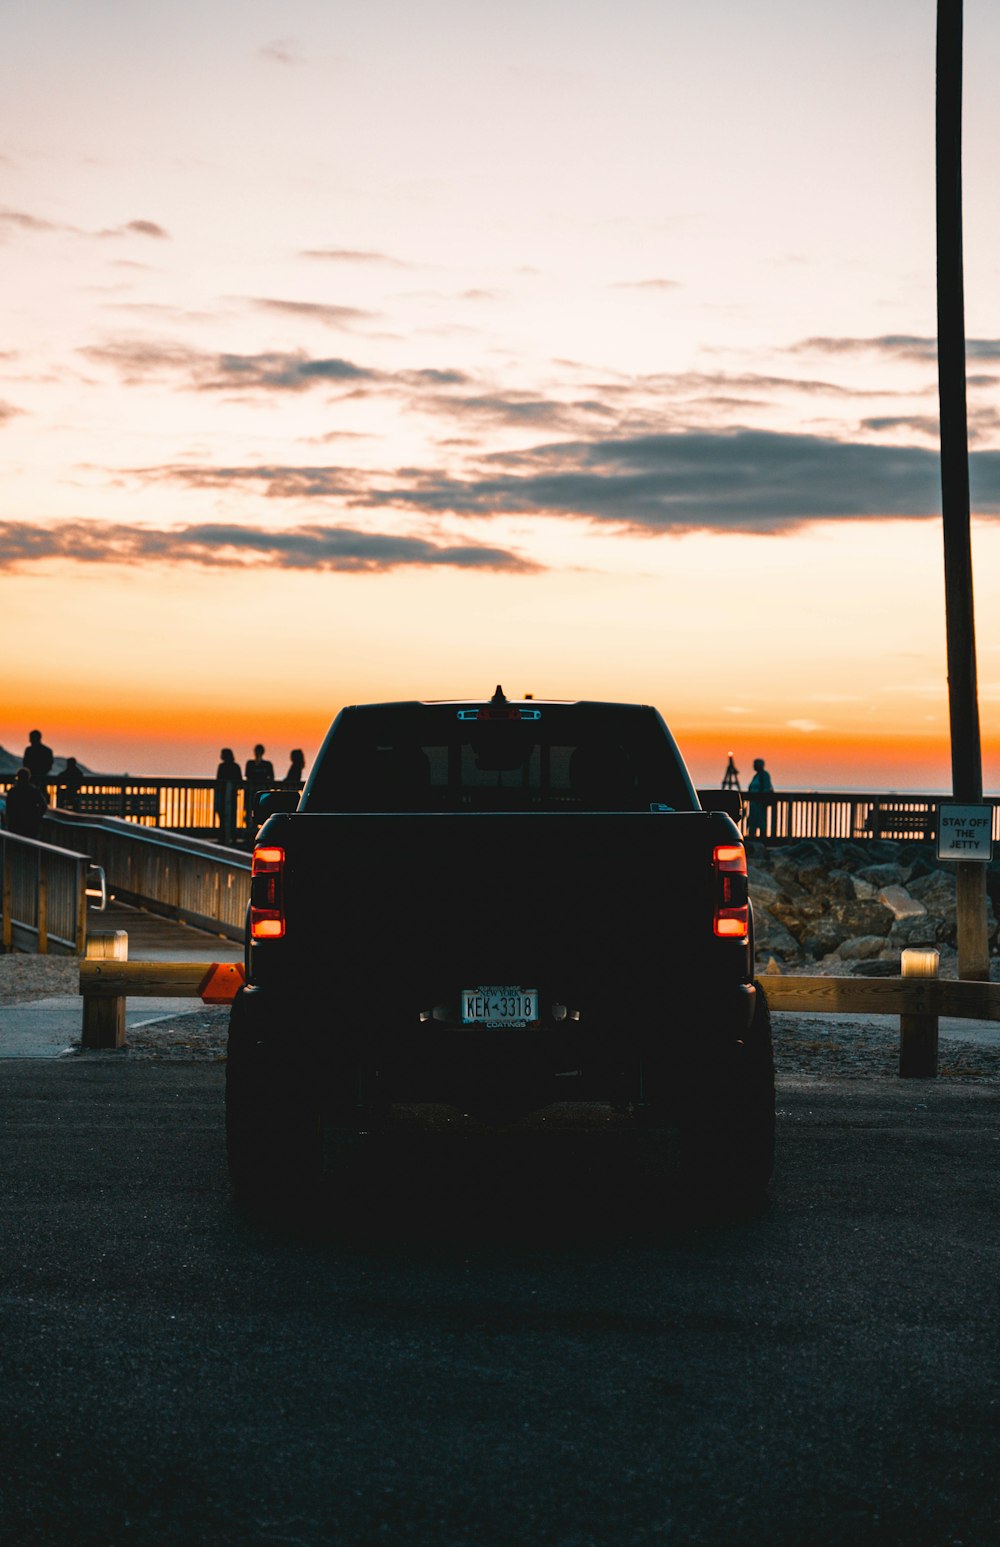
[[400, 348]]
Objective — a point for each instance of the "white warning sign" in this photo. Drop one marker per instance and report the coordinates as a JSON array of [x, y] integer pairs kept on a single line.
[[965, 832]]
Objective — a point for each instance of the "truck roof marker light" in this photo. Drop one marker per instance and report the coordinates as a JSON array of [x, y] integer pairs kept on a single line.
[[267, 912], [732, 902], [511, 712]]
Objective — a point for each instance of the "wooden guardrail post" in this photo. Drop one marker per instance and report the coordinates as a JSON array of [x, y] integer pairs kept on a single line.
[[103, 1017], [918, 1028]]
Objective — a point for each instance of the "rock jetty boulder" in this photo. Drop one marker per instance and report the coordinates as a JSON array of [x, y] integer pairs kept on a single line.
[[834, 906], [901, 903]]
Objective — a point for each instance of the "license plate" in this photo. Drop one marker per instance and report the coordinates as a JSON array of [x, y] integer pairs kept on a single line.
[[499, 1005]]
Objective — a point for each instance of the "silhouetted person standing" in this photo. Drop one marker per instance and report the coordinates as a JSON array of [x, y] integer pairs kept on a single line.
[[26, 805], [761, 793], [293, 777], [259, 775], [228, 780], [71, 781], [38, 759]]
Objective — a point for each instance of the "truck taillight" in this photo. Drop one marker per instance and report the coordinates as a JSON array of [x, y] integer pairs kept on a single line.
[[732, 901], [267, 915]]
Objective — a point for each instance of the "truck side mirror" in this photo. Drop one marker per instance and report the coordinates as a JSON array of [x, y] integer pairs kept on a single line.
[[729, 801], [273, 803]]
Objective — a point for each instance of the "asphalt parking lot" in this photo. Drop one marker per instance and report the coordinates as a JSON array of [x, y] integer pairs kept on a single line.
[[523, 1338]]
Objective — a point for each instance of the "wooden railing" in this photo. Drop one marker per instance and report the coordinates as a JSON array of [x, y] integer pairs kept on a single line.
[[180, 804], [187, 805], [181, 877], [44, 890], [796, 814]]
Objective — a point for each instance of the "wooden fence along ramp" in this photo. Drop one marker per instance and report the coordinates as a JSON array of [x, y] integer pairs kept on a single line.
[[918, 996]]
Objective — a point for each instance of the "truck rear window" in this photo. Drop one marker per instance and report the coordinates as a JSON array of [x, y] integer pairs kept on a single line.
[[427, 758]]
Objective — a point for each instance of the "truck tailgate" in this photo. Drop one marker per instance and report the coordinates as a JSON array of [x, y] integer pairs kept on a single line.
[[415, 906]]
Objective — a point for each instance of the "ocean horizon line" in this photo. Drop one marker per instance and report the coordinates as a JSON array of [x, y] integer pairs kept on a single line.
[[864, 792]]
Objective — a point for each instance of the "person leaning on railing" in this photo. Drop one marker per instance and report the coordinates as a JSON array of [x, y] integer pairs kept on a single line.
[[71, 781], [25, 806]]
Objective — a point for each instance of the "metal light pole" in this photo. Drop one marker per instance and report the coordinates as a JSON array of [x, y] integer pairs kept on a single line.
[[963, 701]]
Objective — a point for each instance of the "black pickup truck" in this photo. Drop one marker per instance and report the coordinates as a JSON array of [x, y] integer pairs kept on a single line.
[[497, 905]]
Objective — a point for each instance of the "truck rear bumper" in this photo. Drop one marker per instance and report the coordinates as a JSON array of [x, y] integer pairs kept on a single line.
[[597, 1057]]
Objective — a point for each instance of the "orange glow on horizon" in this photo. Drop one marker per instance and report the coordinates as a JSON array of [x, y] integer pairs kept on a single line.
[[834, 762], [163, 738]]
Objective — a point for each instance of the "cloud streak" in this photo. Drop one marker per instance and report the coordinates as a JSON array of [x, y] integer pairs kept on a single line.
[[225, 546], [919, 424], [651, 403], [329, 315], [712, 382], [14, 222], [646, 284], [516, 410], [353, 255], [733, 480], [900, 346], [147, 228], [140, 361], [749, 481], [283, 51]]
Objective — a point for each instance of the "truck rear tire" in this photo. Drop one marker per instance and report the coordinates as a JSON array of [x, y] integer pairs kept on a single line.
[[729, 1130], [273, 1133]]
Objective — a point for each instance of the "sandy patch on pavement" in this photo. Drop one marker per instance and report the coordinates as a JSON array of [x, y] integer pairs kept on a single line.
[[24, 978]]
